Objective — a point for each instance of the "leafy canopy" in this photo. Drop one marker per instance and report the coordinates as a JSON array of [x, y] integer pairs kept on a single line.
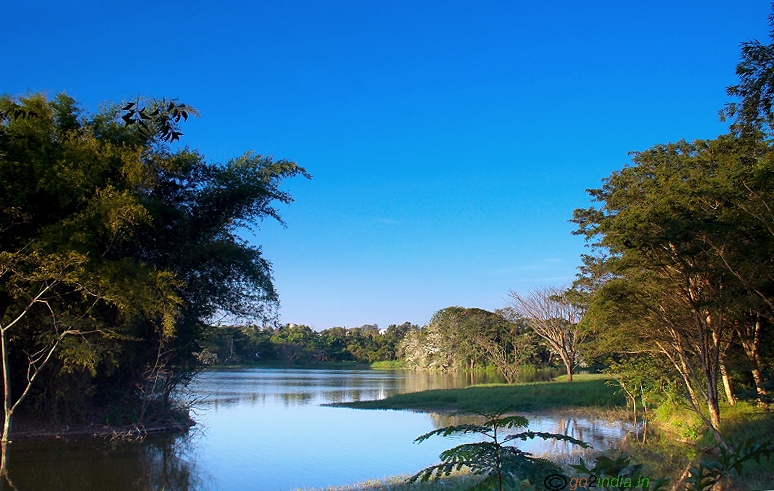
[[114, 233]]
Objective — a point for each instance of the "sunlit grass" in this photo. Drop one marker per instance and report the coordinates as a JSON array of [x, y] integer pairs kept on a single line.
[[389, 365], [398, 483], [681, 439], [584, 391]]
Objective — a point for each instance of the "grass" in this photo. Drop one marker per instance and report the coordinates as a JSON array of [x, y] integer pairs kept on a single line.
[[460, 482], [743, 422], [584, 391], [679, 439], [389, 365]]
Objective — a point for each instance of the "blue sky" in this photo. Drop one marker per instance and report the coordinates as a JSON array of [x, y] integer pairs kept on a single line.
[[450, 141]]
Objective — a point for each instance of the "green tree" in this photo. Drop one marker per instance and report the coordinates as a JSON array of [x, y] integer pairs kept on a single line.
[[458, 338], [688, 264], [445, 343], [292, 342], [752, 113], [334, 342], [110, 234], [392, 337]]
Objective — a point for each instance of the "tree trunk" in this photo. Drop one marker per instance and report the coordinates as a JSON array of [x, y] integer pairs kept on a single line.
[[727, 384], [714, 412], [567, 363], [763, 395], [7, 407], [751, 342]]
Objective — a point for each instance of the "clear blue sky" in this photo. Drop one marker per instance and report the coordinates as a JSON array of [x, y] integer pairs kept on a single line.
[[450, 141]]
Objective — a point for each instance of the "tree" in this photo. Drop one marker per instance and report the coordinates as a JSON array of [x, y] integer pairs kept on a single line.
[[501, 342], [458, 338], [55, 280], [109, 233], [553, 317], [392, 337], [444, 343], [753, 113], [676, 256]]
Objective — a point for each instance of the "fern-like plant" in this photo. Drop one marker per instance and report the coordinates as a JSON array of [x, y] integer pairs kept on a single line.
[[500, 463]]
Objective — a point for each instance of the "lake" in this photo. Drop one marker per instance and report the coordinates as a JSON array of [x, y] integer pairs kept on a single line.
[[266, 429]]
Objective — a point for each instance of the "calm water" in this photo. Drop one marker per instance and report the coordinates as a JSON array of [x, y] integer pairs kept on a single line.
[[265, 429]]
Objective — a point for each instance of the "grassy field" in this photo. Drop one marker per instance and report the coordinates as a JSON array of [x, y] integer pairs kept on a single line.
[[584, 391]]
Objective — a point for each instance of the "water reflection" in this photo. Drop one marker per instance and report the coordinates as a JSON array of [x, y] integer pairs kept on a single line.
[[599, 434], [95, 464], [265, 429], [291, 387]]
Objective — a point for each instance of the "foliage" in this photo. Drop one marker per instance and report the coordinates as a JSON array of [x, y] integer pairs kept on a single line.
[[157, 118], [498, 463], [620, 467], [644, 381], [458, 338], [682, 266], [700, 477], [687, 263], [116, 249], [755, 89], [293, 343], [709, 472]]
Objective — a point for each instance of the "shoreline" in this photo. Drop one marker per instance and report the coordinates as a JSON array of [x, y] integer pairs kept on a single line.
[[610, 415], [126, 432]]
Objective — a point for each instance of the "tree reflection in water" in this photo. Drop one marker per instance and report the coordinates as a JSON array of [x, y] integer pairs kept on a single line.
[[598, 433], [90, 464]]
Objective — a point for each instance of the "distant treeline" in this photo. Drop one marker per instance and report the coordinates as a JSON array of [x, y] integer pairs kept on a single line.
[[455, 339], [294, 343]]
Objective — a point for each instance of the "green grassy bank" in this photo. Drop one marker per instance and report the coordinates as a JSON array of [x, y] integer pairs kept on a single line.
[[398, 483], [739, 423], [584, 391]]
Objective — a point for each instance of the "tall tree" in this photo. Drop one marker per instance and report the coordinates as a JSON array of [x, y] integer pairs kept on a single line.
[[108, 232], [666, 225], [553, 317]]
